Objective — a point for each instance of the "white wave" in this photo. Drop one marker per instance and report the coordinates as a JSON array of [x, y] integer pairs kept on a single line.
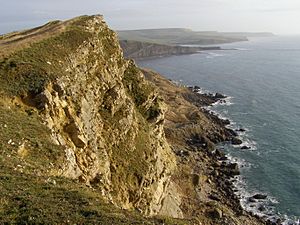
[[262, 208], [243, 164], [289, 221], [221, 116], [211, 55], [224, 102], [247, 142], [203, 91], [242, 49]]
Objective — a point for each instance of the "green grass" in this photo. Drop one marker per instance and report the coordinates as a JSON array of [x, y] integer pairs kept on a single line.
[[19, 126], [29, 199], [29, 69]]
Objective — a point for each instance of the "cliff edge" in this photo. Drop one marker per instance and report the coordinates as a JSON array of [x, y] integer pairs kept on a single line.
[[86, 138]]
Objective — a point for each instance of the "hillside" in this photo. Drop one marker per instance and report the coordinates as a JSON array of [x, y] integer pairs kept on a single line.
[[87, 137], [144, 50], [178, 36]]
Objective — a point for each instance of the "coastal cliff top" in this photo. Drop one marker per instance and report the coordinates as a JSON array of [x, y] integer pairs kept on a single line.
[[22, 39]]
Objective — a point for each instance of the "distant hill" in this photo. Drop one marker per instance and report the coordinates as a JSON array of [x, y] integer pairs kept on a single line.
[[182, 36], [179, 36], [248, 34], [144, 50]]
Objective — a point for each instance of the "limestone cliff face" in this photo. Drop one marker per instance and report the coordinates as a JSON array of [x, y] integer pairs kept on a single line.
[[106, 116], [110, 141]]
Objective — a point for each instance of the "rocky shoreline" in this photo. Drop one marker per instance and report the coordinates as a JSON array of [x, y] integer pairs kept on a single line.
[[224, 170], [201, 146]]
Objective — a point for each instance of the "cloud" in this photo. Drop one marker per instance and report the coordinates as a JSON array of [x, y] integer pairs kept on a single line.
[[197, 14], [276, 10]]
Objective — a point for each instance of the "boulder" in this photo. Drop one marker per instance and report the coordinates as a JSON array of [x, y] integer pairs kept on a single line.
[[225, 121], [232, 169], [236, 141], [219, 95], [245, 147], [259, 196], [232, 132], [262, 208], [240, 130], [251, 199]]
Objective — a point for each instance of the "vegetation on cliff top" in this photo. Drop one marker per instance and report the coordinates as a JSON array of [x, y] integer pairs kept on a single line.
[[28, 70]]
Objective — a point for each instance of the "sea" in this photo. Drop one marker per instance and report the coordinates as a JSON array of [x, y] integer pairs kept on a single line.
[[261, 78]]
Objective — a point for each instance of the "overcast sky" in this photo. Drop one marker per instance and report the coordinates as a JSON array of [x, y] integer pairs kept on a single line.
[[278, 16]]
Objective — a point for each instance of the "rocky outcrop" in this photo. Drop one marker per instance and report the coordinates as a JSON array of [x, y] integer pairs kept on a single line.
[[144, 50]]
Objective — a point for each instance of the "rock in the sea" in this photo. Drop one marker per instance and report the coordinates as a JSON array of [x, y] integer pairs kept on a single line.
[[251, 199], [232, 132], [218, 95], [245, 147], [225, 121], [262, 208], [240, 130], [236, 141], [259, 196], [197, 87]]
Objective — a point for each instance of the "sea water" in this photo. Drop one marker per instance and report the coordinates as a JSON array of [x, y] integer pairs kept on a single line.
[[262, 77]]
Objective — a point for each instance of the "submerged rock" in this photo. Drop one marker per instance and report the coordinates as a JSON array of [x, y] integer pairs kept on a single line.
[[259, 196]]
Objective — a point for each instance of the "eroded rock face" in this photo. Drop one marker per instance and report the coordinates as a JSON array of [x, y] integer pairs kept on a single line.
[[110, 122]]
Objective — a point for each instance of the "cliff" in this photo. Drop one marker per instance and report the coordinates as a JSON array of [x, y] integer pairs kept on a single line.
[[144, 50], [93, 107], [85, 138]]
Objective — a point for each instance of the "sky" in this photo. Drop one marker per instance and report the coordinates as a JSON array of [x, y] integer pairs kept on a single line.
[[277, 16]]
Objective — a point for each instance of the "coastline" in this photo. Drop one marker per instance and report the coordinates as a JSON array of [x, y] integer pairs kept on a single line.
[[225, 171], [144, 51], [195, 144], [178, 170]]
